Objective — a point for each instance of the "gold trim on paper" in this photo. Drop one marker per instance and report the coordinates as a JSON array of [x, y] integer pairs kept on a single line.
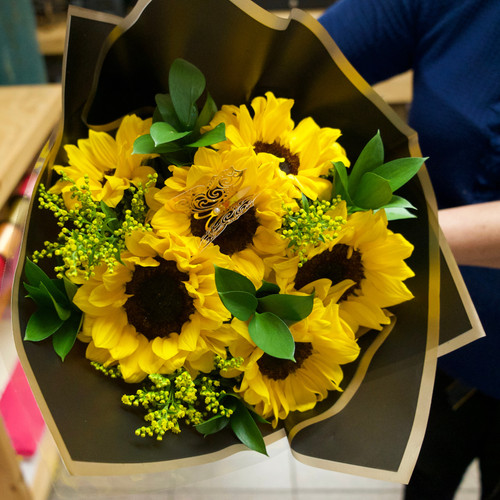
[[423, 406], [103, 469], [417, 432], [353, 386], [477, 330], [357, 470]]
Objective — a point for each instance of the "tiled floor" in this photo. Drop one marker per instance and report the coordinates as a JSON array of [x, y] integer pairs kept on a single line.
[[245, 476]]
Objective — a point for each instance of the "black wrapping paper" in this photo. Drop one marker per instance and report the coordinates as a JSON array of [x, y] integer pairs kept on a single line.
[[375, 427]]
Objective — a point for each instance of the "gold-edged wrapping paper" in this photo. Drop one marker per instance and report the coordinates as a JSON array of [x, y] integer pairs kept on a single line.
[[116, 66]]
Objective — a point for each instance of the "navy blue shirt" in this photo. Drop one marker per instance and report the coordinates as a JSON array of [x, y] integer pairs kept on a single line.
[[453, 48]]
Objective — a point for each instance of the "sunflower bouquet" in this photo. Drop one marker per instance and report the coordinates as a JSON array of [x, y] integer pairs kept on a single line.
[[226, 260], [220, 246]]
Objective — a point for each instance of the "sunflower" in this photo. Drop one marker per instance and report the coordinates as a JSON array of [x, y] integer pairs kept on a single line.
[[302, 153], [107, 163], [251, 232], [158, 311], [275, 387], [363, 269]]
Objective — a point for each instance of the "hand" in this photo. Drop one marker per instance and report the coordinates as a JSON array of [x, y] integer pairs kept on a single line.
[[473, 233]]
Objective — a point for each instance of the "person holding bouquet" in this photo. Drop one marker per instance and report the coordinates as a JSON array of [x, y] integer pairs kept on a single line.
[[453, 49]]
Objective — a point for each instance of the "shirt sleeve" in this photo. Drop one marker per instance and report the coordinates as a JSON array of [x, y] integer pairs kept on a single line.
[[378, 37]]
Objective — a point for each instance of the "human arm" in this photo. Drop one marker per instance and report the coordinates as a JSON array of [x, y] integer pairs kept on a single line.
[[473, 233]]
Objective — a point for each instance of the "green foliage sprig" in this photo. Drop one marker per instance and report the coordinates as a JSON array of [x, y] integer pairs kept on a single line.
[[56, 316], [268, 311], [175, 133], [242, 421], [92, 233], [371, 182]]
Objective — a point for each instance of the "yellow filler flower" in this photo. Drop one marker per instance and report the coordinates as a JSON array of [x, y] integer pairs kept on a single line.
[[157, 312], [106, 162], [302, 153]]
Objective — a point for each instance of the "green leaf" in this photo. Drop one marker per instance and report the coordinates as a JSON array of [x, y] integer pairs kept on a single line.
[[186, 84], [272, 335], [157, 116], [396, 209], [258, 418], [373, 192], [70, 288], [213, 425], [233, 401], [166, 110], [64, 338], [167, 148], [163, 133], [305, 202], [231, 281], [62, 311], [39, 296], [144, 144], [246, 430], [398, 202], [207, 113], [267, 289], [217, 134], [398, 214], [371, 157], [33, 273], [287, 307], [42, 324], [399, 172], [342, 182], [107, 211], [36, 275], [240, 304], [172, 159], [111, 217]]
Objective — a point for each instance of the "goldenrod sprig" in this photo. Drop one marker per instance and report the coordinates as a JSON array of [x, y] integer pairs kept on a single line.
[[313, 223], [201, 402], [178, 398], [92, 233], [110, 371]]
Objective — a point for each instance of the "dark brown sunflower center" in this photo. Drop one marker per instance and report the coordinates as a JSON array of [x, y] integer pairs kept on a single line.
[[160, 303], [103, 180], [334, 265], [292, 162], [280, 369], [235, 237]]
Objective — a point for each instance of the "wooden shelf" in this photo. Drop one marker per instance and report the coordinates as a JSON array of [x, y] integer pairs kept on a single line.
[[51, 38], [28, 115]]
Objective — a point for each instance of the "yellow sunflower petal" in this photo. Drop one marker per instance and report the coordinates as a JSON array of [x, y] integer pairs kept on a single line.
[[130, 366], [98, 355], [108, 330], [127, 345]]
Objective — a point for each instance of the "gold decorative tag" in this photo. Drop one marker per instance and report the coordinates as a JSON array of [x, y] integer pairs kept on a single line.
[[221, 202]]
